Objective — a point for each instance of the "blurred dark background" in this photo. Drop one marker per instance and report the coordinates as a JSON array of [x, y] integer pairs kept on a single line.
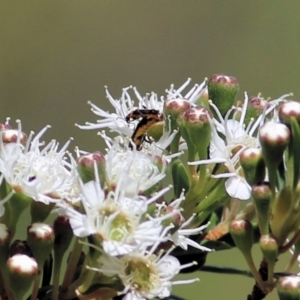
[[57, 55]]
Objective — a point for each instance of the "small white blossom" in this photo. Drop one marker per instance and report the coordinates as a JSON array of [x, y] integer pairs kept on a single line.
[[40, 173], [115, 218], [144, 274], [135, 170], [181, 236], [116, 121], [236, 186]]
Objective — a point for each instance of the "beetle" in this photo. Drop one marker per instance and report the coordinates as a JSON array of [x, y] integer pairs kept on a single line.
[[140, 133], [141, 113]]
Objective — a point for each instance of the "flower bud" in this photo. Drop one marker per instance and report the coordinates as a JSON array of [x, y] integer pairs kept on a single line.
[[86, 166], [40, 211], [19, 247], [40, 239], [242, 234], [262, 197], [180, 177], [22, 269], [203, 100], [253, 165], [4, 127], [256, 106], [288, 288], [63, 234], [288, 110], [195, 128], [172, 109], [269, 248], [274, 137], [14, 207], [222, 90], [175, 218], [13, 136], [156, 131]]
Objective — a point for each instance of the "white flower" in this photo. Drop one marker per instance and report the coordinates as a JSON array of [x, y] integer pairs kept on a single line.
[[144, 274], [40, 173], [134, 170], [116, 219], [179, 235], [236, 186], [235, 132], [116, 121], [228, 135]]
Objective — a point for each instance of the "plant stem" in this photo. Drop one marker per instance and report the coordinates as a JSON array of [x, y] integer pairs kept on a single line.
[[72, 264]]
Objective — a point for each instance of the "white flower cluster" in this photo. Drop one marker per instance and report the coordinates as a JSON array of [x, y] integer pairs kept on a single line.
[[35, 170], [124, 210], [128, 214], [132, 227]]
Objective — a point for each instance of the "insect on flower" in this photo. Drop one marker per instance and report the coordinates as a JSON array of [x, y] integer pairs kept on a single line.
[[147, 119], [141, 113]]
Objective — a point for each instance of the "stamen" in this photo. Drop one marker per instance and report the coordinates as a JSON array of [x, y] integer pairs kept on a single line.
[[244, 110], [35, 141], [198, 92], [180, 89]]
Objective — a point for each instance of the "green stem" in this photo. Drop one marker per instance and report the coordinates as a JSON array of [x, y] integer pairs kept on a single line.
[[35, 287], [56, 274], [203, 215], [272, 173], [5, 287], [255, 273], [191, 204], [271, 272], [86, 275], [193, 176], [291, 242], [175, 143], [192, 198], [202, 172], [215, 195], [72, 264], [292, 261], [87, 282]]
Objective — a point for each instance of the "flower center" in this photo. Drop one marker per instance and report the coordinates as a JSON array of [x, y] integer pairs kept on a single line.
[[142, 274], [119, 225]]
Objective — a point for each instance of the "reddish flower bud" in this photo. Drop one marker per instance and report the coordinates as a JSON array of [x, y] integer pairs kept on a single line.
[[222, 90]]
